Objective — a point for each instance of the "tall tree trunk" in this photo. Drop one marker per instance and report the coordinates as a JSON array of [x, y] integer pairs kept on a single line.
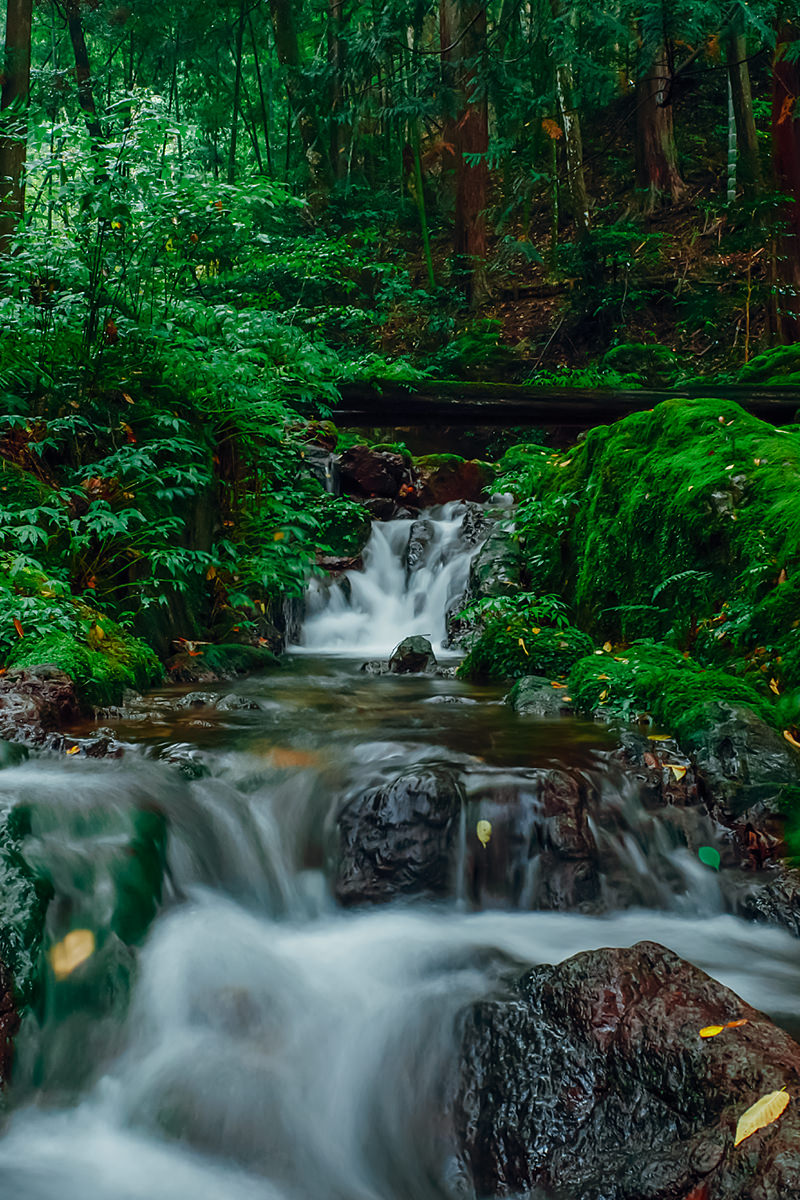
[[463, 47], [265, 109], [237, 93], [573, 145], [748, 161], [786, 158], [657, 174], [15, 92], [299, 93], [337, 139], [83, 74]]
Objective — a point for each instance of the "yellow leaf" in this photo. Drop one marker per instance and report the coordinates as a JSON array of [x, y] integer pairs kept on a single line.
[[604, 694], [66, 956], [555, 683], [762, 1113], [711, 1031], [602, 676], [677, 770], [73, 750], [773, 687], [484, 832], [535, 629], [736, 1024], [792, 740], [607, 647], [522, 644], [279, 536], [658, 737]]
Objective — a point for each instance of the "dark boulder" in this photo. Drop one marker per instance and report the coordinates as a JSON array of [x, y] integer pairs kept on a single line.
[[441, 478], [398, 839], [36, 702], [535, 696], [589, 1081], [367, 472], [413, 656], [496, 568], [419, 542]]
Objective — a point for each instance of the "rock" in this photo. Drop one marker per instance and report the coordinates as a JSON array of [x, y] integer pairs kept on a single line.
[[743, 766], [589, 1080], [9, 1024], [441, 478], [535, 696], [477, 524], [198, 700], [337, 566], [397, 839], [495, 569], [382, 509], [35, 702], [233, 703], [419, 542], [413, 656], [367, 472]]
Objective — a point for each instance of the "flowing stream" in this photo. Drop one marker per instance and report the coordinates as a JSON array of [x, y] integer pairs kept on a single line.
[[266, 1044]]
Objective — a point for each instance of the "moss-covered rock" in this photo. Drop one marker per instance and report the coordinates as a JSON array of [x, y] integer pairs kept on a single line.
[[645, 364], [511, 648], [102, 659]]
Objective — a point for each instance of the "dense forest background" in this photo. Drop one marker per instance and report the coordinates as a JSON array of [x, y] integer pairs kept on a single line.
[[213, 215]]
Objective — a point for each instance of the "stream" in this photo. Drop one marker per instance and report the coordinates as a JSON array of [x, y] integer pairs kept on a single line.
[[266, 1042]]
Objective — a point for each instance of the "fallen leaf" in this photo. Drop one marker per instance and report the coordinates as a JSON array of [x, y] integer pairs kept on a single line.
[[66, 956], [607, 647], [762, 1113], [736, 1024], [603, 677], [773, 687], [650, 760], [709, 857], [709, 1031], [782, 576], [535, 629], [484, 832], [658, 737], [677, 770], [604, 694], [73, 750], [555, 683], [792, 740], [18, 627], [521, 643]]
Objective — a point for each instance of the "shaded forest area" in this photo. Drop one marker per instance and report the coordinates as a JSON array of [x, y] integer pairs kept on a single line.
[[212, 216]]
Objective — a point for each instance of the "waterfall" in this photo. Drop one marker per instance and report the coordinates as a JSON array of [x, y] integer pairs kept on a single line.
[[414, 571]]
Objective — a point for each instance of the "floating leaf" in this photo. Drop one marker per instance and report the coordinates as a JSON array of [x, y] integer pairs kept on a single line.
[[677, 770], [709, 857], [484, 832], [762, 1113], [709, 1031], [66, 956]]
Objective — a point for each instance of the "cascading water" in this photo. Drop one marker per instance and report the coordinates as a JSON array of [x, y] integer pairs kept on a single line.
[[265, 1044], [413, 571]]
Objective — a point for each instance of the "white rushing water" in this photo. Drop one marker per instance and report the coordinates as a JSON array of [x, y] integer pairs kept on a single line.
[[368, 612]]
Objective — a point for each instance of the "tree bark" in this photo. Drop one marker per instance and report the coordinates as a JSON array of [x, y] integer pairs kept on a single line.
[[573, 145], [300, 96], [337, 138], [657, 174], [786, 159], [237, 93], [463, 46], [83, 74], [748, 160], [15, 94]]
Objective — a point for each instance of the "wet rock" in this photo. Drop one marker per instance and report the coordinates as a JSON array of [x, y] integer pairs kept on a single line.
[[397, 839], [589, 1080], [477, 524], [535, 696], [495, 570], [183, 668], [743, 766], [441, 478], [419, 541], [413, 656], [381, 509], [233, 703], [364, 471], [9, 1024], [198, 700], [336, 566], [36, 702]]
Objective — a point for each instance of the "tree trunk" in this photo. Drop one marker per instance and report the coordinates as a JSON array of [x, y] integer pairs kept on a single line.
[[13, 143], [237, 93], [748, 161], [299, 93], [786, 159], [573, 144], [337, 138], [657, 174], [83, 74], [463, 46]]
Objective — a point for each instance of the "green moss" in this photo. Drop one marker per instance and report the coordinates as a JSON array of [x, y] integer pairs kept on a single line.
[[102, 659], [645, 365], [232, 658], [345, 526], [781, 365], [658, 680], [509, 648]]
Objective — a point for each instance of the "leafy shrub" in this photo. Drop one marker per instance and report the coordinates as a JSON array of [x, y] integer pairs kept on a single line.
[[508, 648]]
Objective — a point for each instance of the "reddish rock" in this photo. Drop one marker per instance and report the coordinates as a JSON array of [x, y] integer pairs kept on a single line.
[[590, 1081], [367, 472], [445, 477]]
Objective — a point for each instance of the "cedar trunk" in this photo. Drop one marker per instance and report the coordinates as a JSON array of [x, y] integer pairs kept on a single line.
[[657, 174], [463, 34], [13, 143], [748, 161], [786, 158]]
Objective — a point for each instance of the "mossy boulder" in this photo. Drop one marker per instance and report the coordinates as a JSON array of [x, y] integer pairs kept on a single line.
[[536, 696], [511, 648], [645, 364], [780, 365], [441, 478], [103, 661], [223, 661]]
